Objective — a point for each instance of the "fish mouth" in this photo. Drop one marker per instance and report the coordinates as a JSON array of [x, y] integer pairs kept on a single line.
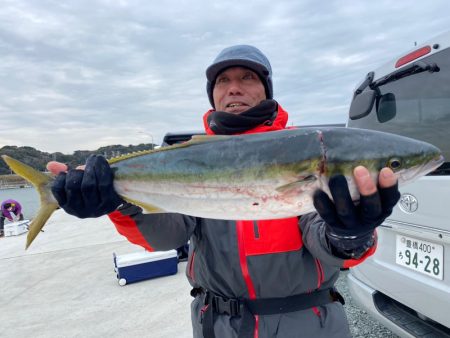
[[433, 164], [421, 170]]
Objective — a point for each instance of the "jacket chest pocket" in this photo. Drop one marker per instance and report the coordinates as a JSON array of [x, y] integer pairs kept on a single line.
[[271, 236]]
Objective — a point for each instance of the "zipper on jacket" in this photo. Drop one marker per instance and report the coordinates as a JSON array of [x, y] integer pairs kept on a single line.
[[256, 229], [191, 266], [318, 314], [244, 268], [320, 274], [202, 312]]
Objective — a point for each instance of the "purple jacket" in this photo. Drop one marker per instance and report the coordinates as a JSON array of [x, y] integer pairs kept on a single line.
[[16, 210]]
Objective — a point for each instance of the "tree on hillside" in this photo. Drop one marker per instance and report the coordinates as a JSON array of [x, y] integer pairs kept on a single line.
[[38, 159]]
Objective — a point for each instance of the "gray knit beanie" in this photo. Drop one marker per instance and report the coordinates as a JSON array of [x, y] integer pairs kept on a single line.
[[244, 56]]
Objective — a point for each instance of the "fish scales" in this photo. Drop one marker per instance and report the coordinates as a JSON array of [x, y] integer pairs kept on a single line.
[[256, 177], [215, 180], [227, 156]]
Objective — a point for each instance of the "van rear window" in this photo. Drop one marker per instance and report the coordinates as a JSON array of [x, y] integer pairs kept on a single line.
[[417, 106]]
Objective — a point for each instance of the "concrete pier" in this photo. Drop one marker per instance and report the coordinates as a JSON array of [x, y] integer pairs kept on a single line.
[[64, 285]]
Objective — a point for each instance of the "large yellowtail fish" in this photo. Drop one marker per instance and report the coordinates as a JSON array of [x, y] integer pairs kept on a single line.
[[258, 176]]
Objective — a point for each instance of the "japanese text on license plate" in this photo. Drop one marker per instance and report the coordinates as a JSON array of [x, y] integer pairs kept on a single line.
[[420, 255]]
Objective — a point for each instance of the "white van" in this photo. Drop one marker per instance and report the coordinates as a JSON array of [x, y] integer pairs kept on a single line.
[[406, 284]]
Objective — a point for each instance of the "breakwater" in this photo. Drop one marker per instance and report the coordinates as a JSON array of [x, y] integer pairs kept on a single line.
[[4, 186], [13, 181]]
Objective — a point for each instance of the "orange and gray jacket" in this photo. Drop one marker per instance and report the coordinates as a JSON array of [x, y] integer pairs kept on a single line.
[[250, 260]]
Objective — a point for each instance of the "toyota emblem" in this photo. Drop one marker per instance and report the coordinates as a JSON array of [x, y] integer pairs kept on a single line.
[[408, 203]]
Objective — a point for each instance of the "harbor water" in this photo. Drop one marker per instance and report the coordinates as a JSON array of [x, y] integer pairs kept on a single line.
[[27, 197]]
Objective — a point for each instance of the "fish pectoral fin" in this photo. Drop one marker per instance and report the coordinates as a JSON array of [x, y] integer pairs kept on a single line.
[[297, 186], [150, 208]]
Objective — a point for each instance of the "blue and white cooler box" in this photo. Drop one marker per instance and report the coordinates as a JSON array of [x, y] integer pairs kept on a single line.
[[138, 266], [16, 228]]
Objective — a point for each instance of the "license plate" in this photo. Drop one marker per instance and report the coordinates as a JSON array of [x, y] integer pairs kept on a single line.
[[420, 255]]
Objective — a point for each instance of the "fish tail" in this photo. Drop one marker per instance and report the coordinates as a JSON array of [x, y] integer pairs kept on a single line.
[[42, 182]]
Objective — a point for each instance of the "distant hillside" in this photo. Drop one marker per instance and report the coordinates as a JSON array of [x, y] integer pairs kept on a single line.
[[38, 159]]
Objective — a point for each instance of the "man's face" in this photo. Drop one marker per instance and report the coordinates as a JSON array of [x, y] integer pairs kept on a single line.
[[238, 89]]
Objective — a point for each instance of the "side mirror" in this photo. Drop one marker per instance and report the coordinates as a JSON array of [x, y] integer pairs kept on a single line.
[[386, 107], [362, 104]]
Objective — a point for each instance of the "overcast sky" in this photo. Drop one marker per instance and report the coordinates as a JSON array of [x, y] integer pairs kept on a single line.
[[83, 74]]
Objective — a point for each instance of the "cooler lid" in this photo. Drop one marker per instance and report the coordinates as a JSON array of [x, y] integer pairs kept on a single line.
[[143, 257], [16, 224]]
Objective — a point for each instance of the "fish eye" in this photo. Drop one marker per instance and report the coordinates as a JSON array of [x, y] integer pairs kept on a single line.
[[394, 163]]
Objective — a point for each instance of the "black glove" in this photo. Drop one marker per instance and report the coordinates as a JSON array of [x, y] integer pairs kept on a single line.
[[89, 192], [350, 226]]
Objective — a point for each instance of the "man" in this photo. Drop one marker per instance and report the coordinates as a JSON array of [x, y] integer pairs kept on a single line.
[[270, 278], [12, 210]]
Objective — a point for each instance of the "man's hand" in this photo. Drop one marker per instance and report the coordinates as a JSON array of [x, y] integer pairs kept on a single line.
[[351, 226], [87, 191]]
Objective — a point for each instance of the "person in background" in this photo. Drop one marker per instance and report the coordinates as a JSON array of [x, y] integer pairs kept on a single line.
[[11, 210], [250, 279]]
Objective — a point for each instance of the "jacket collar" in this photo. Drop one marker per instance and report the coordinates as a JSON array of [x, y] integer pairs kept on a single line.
[[279, 123]]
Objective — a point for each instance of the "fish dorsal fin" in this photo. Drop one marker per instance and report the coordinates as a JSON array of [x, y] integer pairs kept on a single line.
[[129, 155], [297, 185], [196, 139]]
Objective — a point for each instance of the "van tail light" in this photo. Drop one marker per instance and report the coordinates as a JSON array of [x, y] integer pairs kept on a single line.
[[412, 56]]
